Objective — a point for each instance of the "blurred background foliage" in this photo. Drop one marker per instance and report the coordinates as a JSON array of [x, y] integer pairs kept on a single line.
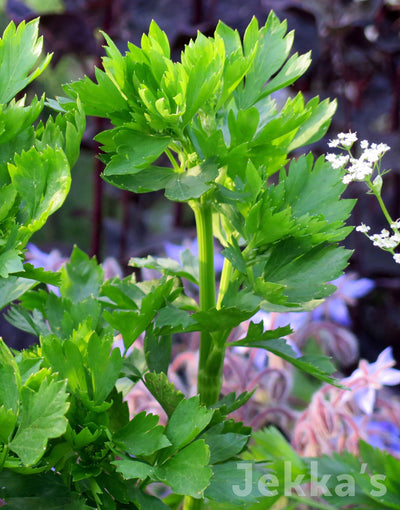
[[355, 57]]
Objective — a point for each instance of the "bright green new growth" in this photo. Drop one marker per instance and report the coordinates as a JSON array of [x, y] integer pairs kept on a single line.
[[34, 161], [215, 119]]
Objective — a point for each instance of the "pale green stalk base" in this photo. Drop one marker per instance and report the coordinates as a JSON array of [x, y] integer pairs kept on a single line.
[[192, 504]]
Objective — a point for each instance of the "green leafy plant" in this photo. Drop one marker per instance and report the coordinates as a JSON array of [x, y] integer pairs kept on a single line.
[[34, 161], [209, 132]]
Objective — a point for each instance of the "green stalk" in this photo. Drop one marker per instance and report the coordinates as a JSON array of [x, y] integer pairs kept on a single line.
[[383, 207], [208, 383], [192, 504], [226, 276], [209, 380]]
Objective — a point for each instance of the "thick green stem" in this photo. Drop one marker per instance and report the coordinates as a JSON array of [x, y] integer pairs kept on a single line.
[[192, 504], [203, 216], [206, 382]]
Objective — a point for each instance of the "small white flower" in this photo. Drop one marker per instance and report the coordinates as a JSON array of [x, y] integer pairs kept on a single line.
[[364, 144], [396, 257], [347, 139], [337, 160], [363, 228], [395, 224]]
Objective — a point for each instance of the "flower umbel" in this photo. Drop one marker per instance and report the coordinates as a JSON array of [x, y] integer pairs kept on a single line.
[[362, 168]]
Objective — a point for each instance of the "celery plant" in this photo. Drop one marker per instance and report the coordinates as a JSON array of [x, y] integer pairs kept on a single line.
[[228, 144]]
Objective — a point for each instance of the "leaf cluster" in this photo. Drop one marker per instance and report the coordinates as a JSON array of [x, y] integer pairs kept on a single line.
[[35, 161], [210, 113], [106, 457]]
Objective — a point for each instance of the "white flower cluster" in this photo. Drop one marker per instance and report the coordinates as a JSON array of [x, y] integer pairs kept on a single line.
[[343, 140], [360, 168], [337, 160], [384, 240]]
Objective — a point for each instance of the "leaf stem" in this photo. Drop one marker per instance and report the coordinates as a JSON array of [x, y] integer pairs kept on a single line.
[[383, 207], [226, 276], [173, 160]]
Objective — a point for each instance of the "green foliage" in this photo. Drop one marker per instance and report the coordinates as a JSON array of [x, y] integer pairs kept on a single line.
[[63, 420], [34, 161], [212, 110]]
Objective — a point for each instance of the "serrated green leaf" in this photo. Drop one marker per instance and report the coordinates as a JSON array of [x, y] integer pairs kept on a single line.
[[152, 178], [20, 49], [8, 420], [188, 269], [81, 277], [135, 152], [163, 391], [273, 49], [172, 318], [228, 404], [66, 359], [157, 349], [16, 117], [42, 417], [232, 484], [187, 472], [43, 181], [142, 435], [10, 380], [222, 318], [104, 364], [317, 123], [295, 67], [10, 262], [12, 288], [192, 183], [187, 421], [22, 319], [65, 131], [316, 365], [130, 468], [40, 275], [103, 99], [223, 445]]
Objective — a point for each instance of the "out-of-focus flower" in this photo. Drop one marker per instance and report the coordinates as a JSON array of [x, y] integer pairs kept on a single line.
[[49, 261], [52, 261], [174, 251], [383, 434], [337, 418], [370, 377], [111, 268], [349, 289]]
